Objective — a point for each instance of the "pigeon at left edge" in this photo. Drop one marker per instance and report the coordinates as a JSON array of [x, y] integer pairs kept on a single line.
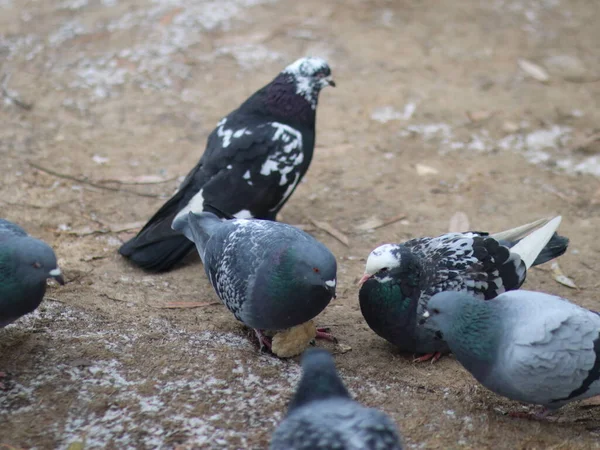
[[254, 160], [271, 276], [25, 265]]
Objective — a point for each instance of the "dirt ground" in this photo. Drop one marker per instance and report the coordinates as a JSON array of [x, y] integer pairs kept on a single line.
[[432, 115]]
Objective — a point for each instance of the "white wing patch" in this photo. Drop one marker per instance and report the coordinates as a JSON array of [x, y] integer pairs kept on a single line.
[[195, 205], [289, 157], [227, 134]]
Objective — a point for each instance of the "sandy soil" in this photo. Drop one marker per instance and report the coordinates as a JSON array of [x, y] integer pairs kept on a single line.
[[129, 90]]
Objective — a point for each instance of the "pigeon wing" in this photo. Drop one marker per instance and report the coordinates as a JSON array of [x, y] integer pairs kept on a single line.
[[467, 262]]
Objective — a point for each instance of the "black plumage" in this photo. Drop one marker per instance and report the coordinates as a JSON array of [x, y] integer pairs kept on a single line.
[[253, 162]]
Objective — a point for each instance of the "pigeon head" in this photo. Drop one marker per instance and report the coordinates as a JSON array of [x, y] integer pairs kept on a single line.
[[36, 260], [306, 76], [315, 265], [319, 380], [467, 324], [381, 262]]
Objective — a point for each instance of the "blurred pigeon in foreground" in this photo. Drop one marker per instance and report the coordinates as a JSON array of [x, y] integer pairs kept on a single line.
[[270, 275], [25, 265], [527, 346], [400, 279], [322, 416], [253, 161]]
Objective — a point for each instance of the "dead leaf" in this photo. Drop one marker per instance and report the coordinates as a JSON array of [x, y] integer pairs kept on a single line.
[[560, 277], [533, 70], [423, 170], [342, 348], [332, 231], [591, 402], [186, 305], [478, 116], [459, 223], [370, 224]]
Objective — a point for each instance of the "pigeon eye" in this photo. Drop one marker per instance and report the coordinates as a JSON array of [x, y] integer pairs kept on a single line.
[[316, 270], [435, 311], [384, 269], [36, 265]]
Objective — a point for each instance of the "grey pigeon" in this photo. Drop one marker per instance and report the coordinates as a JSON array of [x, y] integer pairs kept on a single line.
[[527, 346], [25, 265], [400, 279], [253, 161], [322, 416], [270, 275]]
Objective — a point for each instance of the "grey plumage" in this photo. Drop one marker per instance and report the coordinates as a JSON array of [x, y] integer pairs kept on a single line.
[[528, 346], [322, 416], [270, 275], [25, 265]]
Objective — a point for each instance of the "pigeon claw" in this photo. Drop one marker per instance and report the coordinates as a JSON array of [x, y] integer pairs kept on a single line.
[[263, 339], [324, 333], [540, 414], [429, 356]]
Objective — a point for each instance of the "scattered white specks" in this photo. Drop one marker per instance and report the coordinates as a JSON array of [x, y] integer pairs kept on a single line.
[[290, 156], [250, 56], [100, 159], [388, 113]]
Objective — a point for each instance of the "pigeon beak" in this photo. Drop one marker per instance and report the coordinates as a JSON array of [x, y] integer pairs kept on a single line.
[[424, 317], [331, 82], [364, 278], [57, 275], [327, 81], [330, 286]]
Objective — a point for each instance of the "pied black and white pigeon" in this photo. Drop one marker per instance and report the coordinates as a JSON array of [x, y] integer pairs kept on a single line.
[[323, 416], [25, 265], [271, 276], [400, 279], [527, 346], [254, 159]]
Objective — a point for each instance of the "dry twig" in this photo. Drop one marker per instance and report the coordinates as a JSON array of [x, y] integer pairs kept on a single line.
[[89, 183], [332, 231]]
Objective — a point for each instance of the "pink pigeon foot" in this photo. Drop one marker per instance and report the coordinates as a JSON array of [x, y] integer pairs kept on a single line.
[[429, 356], [263, 339], [324, 333]]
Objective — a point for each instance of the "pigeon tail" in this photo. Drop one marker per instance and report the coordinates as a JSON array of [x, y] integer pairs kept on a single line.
[[530, 247], [556, 247], [157, 253], [198, 228], [319, 380]]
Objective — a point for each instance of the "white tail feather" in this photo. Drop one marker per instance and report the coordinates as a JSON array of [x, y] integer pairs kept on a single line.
[[530, 247], [514, 234]]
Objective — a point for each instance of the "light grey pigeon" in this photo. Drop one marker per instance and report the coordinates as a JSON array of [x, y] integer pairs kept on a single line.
[[322, 416], [400, 279], [270, 275], [25, 265], [527, 346]]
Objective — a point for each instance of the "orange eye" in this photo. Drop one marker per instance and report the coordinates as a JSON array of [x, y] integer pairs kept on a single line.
[[316, 270]]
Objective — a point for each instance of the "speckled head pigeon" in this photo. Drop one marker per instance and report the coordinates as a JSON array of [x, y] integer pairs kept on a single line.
[[270, 275], [253, 161], [400, 279], [322, 416], [528, 346], [25, 265]]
